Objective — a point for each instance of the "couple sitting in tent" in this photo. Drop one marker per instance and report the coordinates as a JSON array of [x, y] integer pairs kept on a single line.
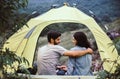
[[80, 58]]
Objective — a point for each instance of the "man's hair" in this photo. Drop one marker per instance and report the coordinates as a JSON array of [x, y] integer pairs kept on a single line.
[[81, 39], [53, 35]]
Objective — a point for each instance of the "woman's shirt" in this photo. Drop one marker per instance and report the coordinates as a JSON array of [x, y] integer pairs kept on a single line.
[[80, 65]]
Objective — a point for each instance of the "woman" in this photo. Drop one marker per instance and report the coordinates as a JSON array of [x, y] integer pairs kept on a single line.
[[80, 65]]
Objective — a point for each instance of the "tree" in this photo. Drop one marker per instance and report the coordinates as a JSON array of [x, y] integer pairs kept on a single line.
[[10, 17], [10, 21]]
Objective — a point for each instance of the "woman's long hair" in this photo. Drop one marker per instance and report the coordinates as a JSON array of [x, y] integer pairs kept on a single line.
[[81, 39]]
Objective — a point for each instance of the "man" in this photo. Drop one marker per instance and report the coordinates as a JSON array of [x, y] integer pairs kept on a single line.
[[48, 55]]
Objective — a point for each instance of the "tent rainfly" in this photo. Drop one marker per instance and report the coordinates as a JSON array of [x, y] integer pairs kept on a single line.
[[23, 42]]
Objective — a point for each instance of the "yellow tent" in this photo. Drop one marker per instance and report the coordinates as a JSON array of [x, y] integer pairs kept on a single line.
[[24, 40]]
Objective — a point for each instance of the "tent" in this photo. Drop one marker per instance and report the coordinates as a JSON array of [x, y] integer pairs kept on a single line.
[[24, 41]]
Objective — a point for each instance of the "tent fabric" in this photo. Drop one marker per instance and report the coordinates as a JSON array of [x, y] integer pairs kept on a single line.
[[24, 41]]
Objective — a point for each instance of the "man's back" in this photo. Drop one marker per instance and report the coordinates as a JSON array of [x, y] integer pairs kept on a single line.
[[48, 58]]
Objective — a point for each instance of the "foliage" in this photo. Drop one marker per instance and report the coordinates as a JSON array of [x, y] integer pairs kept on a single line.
[[116, 75], [107, 75], [10, 18], [62, 27], [102, 74], [85, 5], [10, 63], [117, 44]]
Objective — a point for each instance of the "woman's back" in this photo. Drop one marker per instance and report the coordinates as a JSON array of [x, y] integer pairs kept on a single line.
[[79, 65]]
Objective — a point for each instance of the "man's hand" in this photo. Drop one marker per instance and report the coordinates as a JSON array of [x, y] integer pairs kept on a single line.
[[89, 50], [63, 67]]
